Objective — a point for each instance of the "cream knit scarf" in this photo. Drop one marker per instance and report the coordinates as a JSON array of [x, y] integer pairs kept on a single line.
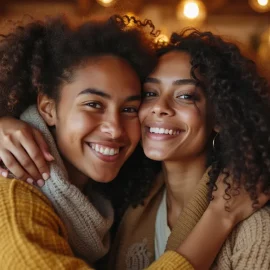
[[87, 221]]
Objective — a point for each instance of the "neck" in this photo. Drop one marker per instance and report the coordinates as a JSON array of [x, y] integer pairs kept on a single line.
[[181, 179], [76, 177]]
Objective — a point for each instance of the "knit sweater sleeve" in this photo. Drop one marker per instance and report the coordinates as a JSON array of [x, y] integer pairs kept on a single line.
[[32, 235], [248, 245], [252, 242], [171, 260]]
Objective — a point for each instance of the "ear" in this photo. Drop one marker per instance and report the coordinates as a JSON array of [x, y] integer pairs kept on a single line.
[[47, 109]]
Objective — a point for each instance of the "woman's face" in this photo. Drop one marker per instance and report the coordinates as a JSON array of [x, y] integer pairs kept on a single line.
[[174, 115], [96, 119]]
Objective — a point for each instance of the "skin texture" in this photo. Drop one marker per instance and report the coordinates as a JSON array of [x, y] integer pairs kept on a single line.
[[99, 106], [173, 101]]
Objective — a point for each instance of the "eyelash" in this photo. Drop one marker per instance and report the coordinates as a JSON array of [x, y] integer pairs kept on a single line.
[[125, 110], [93, 105], [190, 96], [151, 94]]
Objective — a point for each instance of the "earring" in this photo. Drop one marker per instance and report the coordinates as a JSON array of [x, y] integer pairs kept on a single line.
[[214, 141]]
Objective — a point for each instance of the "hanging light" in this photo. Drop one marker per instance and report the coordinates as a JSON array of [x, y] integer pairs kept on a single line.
[[191, 10], [106, 3], [260, 5]]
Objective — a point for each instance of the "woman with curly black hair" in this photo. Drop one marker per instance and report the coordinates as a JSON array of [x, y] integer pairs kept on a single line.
[[84, 83], [68, 83], [205, 113]]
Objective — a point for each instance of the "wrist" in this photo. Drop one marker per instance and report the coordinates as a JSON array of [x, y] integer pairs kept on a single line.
[[221, 217]]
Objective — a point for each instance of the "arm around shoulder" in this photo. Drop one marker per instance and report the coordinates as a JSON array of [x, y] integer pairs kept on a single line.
[[171, 260], [32, 235]]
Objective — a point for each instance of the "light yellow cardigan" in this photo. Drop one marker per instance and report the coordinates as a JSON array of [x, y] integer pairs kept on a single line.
[[34, 237]]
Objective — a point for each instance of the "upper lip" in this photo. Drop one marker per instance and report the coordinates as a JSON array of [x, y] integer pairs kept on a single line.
[[163, 125]]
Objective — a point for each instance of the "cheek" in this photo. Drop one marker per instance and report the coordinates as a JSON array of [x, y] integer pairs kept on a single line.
[[144, 111], [74, 127], [133, 129]]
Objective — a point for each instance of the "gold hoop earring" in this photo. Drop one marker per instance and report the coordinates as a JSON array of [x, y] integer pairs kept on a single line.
[[214, 142]]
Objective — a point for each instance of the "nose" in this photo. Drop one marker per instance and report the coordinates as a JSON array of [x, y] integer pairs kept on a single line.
[[162, 108], [113, 126]]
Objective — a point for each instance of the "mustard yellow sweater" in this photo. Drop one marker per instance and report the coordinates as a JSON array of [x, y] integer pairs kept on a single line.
[[34, 237]]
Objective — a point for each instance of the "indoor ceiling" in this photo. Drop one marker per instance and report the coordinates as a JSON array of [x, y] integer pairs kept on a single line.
[[214, 7]]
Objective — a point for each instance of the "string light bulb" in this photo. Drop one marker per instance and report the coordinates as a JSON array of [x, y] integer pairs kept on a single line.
[[260, 5], [106, 3], [191, 10]]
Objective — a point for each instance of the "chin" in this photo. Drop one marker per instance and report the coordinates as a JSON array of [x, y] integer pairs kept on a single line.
[[155, 155], [105, 178]]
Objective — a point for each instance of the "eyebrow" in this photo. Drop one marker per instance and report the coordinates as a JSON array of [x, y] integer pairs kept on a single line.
[[103, 94], [176, 82]]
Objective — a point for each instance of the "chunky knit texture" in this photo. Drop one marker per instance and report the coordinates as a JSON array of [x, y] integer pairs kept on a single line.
[[247, 247], [34, 237], [88, 229]]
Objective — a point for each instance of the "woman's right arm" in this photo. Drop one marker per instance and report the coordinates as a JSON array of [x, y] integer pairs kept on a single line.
[[23, 151]]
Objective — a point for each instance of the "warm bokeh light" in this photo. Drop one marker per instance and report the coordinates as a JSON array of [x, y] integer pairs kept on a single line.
[[191, 10], [106, 3], [263, 2], [260, 5], [162, 38]]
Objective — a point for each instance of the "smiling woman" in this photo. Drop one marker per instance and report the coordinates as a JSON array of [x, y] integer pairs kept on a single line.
[[174, 104], [205, 113], [68, 83]]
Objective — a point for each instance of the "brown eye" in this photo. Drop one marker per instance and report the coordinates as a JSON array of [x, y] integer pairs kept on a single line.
[[94, 105], [149, 94], [186, 96], [130, 110]]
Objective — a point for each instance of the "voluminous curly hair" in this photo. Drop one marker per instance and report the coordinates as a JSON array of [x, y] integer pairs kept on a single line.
[[240, 100], [41, 56]]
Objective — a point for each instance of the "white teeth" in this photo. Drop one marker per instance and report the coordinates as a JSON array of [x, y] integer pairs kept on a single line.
[[106, 151], [164, 131]]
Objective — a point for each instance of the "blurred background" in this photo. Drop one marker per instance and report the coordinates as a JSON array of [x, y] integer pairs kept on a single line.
[[244, 21]]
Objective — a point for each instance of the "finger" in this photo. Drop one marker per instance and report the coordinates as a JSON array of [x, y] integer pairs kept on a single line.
[[3, 171], [26, 162], [13, 165], [42, 145], [263, 199], [38, 167]]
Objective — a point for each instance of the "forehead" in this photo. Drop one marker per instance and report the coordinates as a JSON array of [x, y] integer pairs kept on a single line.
[[108, 73], [173, 64]]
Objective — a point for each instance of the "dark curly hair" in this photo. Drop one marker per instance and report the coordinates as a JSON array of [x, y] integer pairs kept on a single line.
[[41, 56], [240, 100]]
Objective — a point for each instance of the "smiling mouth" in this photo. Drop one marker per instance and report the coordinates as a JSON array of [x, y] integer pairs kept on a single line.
[[105, 150], [163, 131]]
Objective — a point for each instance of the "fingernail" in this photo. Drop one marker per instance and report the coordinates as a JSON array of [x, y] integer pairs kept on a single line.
[[40, 182], [30, 181], [50, 156], [45, 176], [5, 174]]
